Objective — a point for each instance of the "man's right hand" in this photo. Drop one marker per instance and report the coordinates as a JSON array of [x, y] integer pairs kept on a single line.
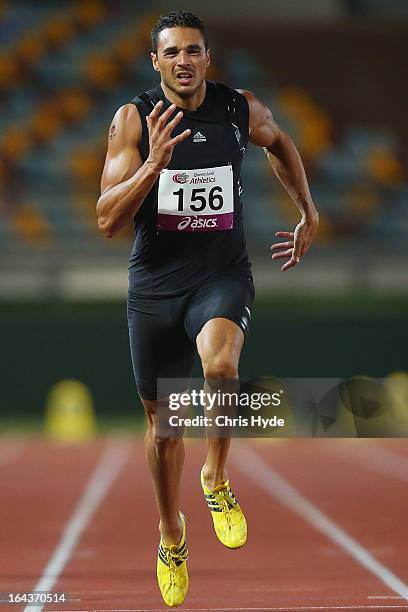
[[160, 140]]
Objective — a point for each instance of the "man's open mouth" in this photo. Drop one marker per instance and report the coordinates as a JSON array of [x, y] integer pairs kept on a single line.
[[184, 78]]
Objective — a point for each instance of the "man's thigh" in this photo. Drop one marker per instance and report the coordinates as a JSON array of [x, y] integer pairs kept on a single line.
[[160, 347], [218, 317]]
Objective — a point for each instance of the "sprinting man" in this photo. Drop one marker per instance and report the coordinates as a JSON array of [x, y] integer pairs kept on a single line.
[[173, 167]]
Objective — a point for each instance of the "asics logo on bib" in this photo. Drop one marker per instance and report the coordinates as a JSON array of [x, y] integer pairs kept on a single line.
[[184, 223], [180, 177], [195, 223]]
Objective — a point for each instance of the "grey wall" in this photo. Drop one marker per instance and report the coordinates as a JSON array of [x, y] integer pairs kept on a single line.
[[44, 343]]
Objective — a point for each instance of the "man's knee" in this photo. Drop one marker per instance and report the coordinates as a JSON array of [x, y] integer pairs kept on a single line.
[[163, 429], [220, 367], [163, 438]]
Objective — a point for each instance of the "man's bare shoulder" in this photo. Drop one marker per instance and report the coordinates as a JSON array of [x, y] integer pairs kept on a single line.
[[250, 96], [257, 110], [126, 126]]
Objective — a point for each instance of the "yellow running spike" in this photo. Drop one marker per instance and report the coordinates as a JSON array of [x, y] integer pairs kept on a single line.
[[229, 520], [172, 574]]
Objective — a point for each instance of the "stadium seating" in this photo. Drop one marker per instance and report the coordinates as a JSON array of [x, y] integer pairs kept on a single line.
[[66, 67]]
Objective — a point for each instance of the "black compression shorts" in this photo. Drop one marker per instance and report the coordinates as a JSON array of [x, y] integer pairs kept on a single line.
[[162, 331]]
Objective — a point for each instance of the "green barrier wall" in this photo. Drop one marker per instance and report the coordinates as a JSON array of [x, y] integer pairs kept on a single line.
[[44, 343]]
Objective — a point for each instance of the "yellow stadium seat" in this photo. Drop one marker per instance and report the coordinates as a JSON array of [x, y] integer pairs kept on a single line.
[[363, 202], [84, 204], [31, 47], [316, 136], [102, 72], [10, 74], [16, 142], [314, 126], [136, 42], [46, 123], [59, 30], [87, 166], [385, 167], [127, 50], [74, 105], [89, 12], [31, 226]]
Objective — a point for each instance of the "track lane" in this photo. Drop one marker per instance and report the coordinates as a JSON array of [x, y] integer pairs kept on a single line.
[[97, 489], [10, 449], [286, 564], [39, 488], [368, 505]]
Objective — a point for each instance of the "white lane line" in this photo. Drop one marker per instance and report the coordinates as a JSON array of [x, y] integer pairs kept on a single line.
[[376, 459], [257, 470], [108, 468], [9, 450], [384, 597]]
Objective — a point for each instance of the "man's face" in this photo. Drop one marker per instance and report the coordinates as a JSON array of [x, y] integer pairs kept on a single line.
[[181, 60]]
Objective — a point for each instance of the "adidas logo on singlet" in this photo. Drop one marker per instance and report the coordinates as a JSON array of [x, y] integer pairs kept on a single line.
[[199, 137]]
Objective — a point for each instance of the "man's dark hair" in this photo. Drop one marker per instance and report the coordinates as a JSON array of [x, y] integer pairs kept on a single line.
[[178, 19]]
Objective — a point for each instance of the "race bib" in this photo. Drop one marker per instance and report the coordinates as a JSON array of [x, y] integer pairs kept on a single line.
[[199, 200]]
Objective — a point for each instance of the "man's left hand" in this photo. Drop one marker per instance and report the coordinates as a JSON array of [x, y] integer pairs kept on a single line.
[[297, 243]]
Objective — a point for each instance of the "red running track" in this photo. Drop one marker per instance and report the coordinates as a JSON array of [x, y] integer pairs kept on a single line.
[[102, 540]]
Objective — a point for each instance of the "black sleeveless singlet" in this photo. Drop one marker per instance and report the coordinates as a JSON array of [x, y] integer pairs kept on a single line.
[[169, 263]]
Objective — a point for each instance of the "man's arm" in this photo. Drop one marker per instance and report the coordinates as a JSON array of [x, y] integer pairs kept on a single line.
[[126, 180], [287, 165]]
